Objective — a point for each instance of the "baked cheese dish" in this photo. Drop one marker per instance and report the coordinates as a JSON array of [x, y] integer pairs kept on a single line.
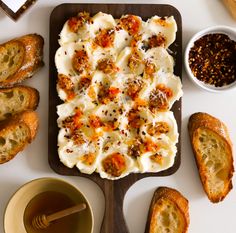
[[116, 79]]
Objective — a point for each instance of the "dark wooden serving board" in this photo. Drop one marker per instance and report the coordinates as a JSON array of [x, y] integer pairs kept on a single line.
[[114, 191]]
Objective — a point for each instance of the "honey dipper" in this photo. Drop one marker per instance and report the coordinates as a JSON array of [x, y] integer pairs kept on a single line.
[[43, 221]]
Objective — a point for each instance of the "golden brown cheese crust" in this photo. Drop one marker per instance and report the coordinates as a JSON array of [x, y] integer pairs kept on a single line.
[[203, 121], [167, 196], [32, 59]]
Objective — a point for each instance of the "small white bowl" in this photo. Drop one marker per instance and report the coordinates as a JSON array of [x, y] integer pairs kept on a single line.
[[210, 30]]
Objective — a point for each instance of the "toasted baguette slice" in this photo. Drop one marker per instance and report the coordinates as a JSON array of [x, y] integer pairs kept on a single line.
[[168, 212], [30, 118], [17, 99], [212, 148], [16, 133], [20, 59]]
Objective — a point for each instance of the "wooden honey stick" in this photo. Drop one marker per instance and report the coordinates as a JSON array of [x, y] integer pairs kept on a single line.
[[43, 221]]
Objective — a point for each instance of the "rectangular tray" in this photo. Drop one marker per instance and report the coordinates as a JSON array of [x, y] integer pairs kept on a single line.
[[58, 17], [114, 191]]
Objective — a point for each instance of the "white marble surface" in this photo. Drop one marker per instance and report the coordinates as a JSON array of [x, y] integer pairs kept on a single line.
[[32, 163]]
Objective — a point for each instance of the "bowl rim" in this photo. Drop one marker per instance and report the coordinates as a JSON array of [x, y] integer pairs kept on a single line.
[[18, 190], [231, 32]]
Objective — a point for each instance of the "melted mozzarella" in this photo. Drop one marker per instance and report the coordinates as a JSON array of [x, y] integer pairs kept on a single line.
[[67, 36], [123, 61], [101, 21], [174, 83], [153, 121], [108, 112], [122, 39], [99, 79], [100, 53], [69, 153], [130, 164], [89, 168], [166, 27], [64, 55], [170, 81], [161, 58], [69, 108], [167, 153], [139, 19], [114, 133]]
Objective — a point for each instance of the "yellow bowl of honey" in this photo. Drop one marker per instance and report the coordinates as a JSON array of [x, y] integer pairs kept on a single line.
[[47, 196]]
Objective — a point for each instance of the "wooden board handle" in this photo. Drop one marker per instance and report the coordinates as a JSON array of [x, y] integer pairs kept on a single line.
[[113, 220]]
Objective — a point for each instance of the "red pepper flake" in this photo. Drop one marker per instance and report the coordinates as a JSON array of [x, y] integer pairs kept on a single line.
[[158, 100], [156, 41], [134, 150], [105, 94], [69, 151], [151, 146], [107, 66], [73, 122], [157, 158], [84, 82], [134, 87], [134, 119], [134, 60], [95, 121], [75, 23], [162, 21], [65, 83], [212, 59], [113, 91], [80, 61], [88, 159], [160, 127], [131, 24], [77, 137], [114, 164], [150, 68], [105, 38], [110, 126]]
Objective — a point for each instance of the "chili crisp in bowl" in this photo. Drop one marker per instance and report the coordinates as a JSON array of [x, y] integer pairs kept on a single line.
[[210, 58]]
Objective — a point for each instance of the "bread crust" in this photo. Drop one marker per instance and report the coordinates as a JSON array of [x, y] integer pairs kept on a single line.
[[203, 121], [11, 58], [28, 121], [31, 100], [174, 197], [30, 118], [32, 61]]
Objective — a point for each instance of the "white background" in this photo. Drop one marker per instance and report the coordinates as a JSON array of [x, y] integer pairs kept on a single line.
[[205, 217]]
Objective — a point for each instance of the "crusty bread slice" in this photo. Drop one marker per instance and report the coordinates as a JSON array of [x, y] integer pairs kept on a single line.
[[30, 118], [168, 212], [20, 59], [11, 58], [17, 99], [16, 133], [212, 148]]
